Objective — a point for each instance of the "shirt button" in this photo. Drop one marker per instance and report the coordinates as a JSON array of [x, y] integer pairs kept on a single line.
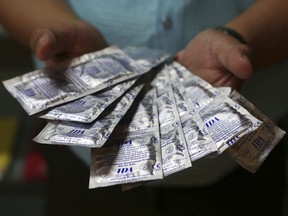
[[167, 23]]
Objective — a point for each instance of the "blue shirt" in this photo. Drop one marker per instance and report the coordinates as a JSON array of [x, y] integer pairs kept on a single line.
[[168, 25], [164, 24]]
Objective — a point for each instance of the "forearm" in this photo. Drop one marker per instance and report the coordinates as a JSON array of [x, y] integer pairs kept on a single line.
[[20, 18], [265, 28]]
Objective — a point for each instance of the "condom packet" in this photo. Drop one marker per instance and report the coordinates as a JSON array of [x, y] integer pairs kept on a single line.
[[252, 150], [199, 91], [225, 90], [144, 55], [48, 87], [93, 134], [175, 155], [225, 120], [88, 108], [133, 153], [199, 141]]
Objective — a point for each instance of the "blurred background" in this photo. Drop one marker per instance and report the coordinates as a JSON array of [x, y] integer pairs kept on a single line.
[[24, 170]]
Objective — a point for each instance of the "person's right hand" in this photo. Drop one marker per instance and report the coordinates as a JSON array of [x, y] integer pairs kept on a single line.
[[65, 41]]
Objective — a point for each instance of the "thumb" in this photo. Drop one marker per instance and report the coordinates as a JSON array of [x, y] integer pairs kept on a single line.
[[179, 55], [45, 44], [238, 62]]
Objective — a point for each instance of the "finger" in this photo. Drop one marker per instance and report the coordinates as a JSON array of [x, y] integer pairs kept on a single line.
[[178, 56], [45, 44], [238, 62]]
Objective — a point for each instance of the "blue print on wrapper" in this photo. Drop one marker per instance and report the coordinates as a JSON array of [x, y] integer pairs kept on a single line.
[[212, 122], [80, 102], [125, 143], [77, 131], [258, 142], [125, 170], [232, 141], [113, 64], [28, 92]]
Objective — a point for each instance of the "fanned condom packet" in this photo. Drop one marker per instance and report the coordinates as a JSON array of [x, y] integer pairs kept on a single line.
[[199, 141], [252, 150], [133, 153], [93, 134], [226, 121], [175, 155], [88, 108], [201, 91], [37, 90]]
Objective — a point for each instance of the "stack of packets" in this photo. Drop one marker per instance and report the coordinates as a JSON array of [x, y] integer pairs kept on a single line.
[[142, 116]]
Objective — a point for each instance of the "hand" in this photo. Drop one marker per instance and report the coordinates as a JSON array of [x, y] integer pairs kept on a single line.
[[218, 58], [66, 41]]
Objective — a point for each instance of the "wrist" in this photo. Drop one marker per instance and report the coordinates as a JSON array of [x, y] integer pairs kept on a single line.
[[233, 33]]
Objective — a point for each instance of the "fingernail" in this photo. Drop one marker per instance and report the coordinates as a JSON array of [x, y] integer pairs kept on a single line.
[[41, 41], [245, 56]]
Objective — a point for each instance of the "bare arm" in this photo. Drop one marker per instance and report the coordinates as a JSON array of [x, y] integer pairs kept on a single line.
[[265, 28], [20, 18], [49, 28], [223, 61]]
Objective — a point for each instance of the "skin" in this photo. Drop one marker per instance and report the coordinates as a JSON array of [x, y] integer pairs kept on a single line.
[[224, 61], [218, 58], [51, 38]]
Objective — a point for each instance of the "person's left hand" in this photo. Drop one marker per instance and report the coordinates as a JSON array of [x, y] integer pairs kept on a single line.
[[217, 58]]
